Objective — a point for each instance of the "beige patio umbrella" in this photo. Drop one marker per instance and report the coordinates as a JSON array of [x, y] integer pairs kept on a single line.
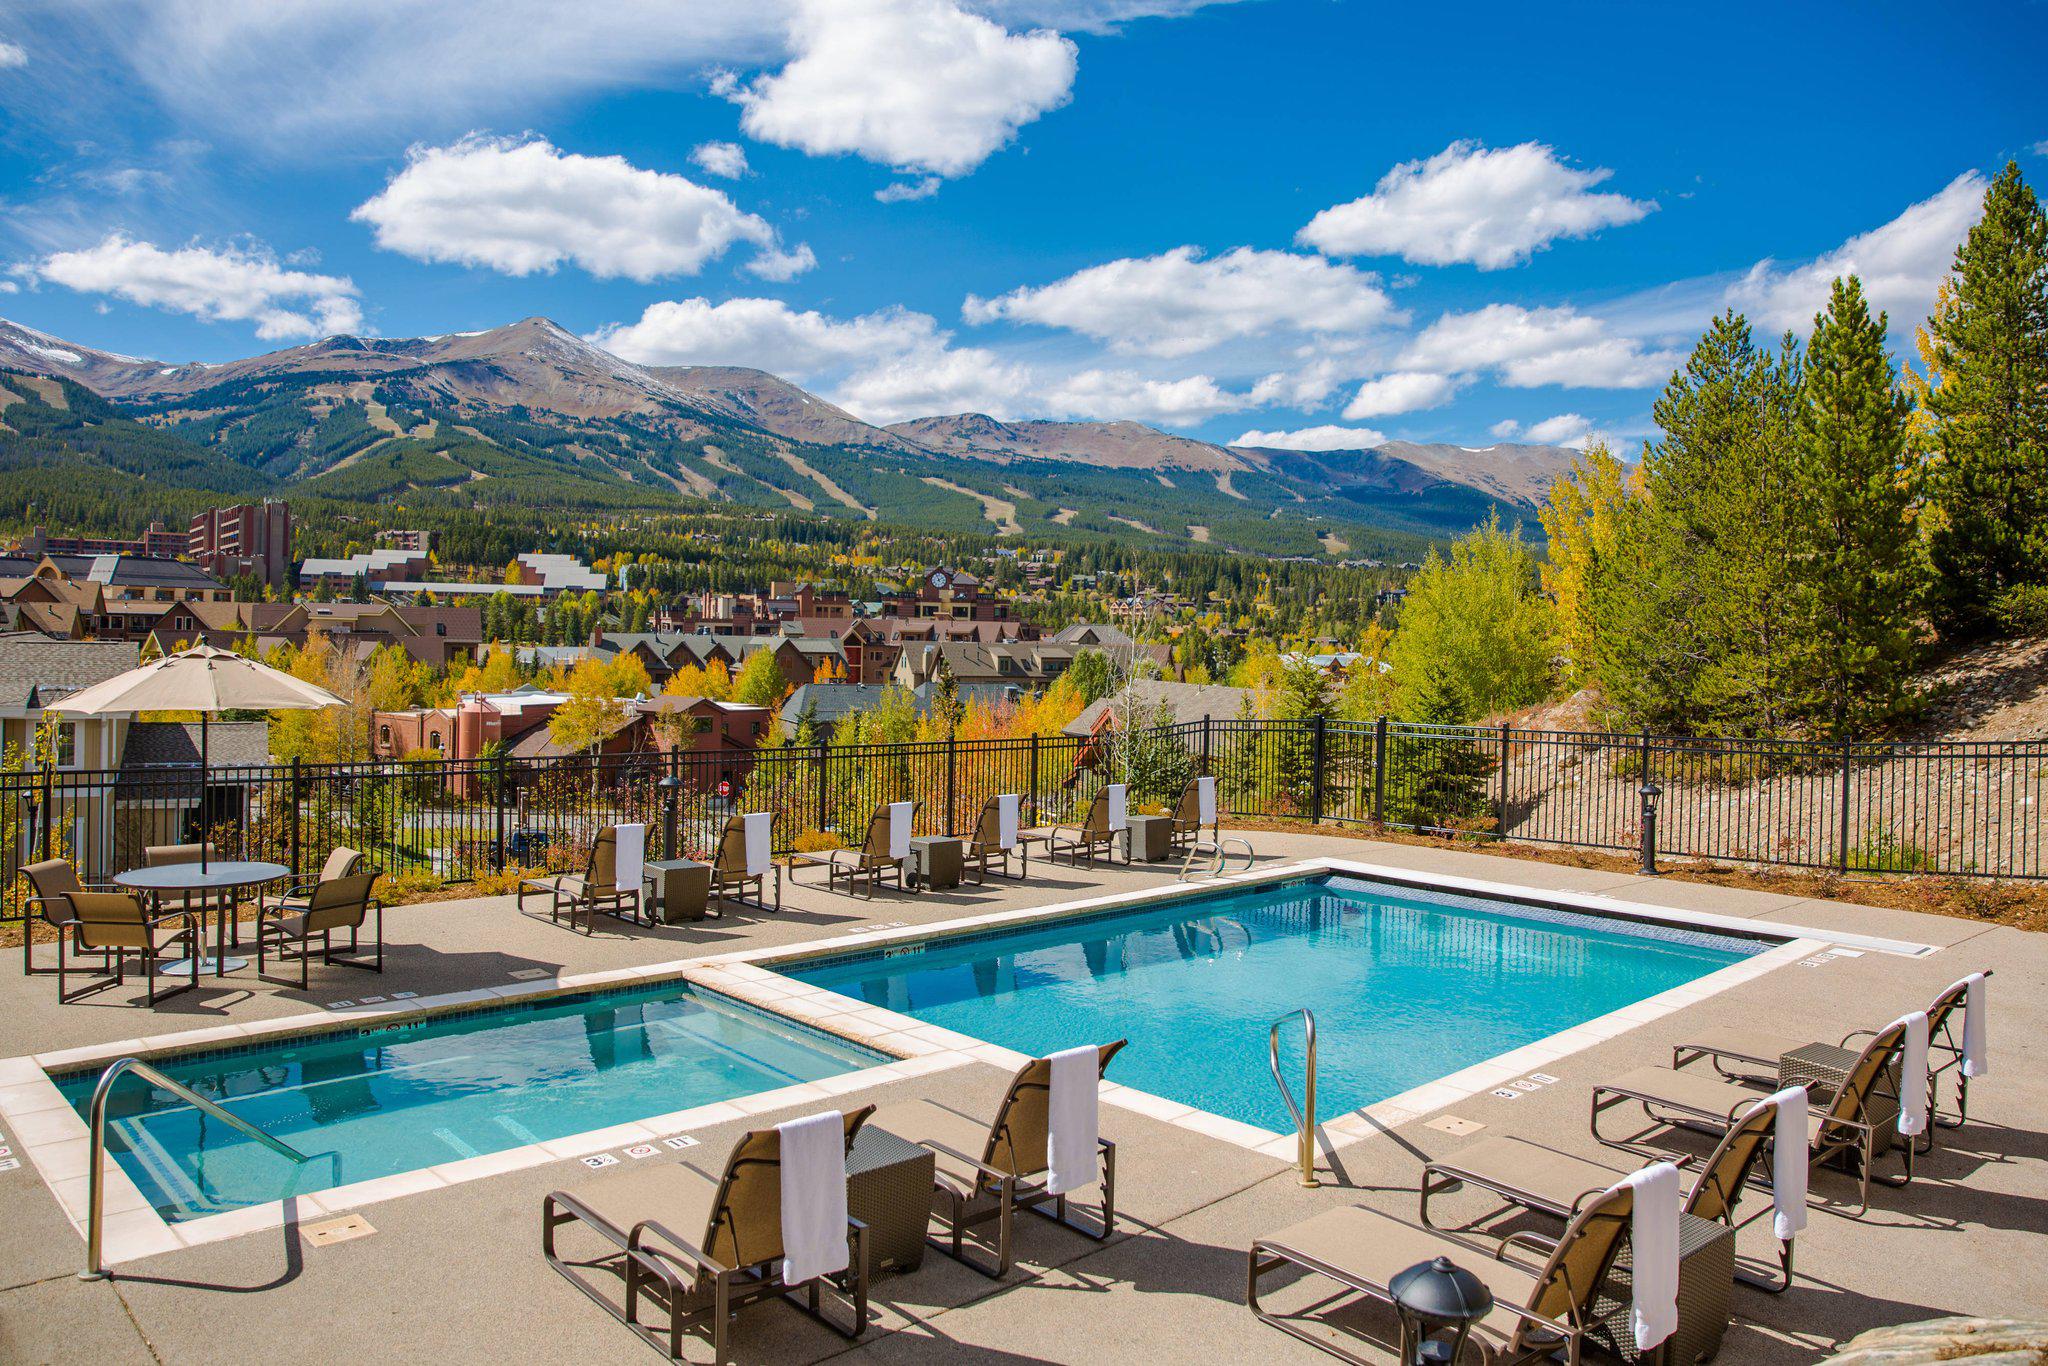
[[205, 679]]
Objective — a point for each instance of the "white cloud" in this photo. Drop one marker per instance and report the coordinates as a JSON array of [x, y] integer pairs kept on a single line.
[[1529, 347], [1122, 394], [1563, 428], [1505, 428], [903, 191], [227, 284], [939, 380], [9, 287], [727, 160], [2040, 149], [1901, 263], [915, 84], [1492, 207], [1403, 391], [1178, 303], [521, 207], [1316, 439], [765, 333], [12, 55]]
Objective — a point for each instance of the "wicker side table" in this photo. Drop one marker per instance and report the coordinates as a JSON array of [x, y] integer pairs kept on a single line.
[[1822, 1067], [1706, 1281], [889, 1188]]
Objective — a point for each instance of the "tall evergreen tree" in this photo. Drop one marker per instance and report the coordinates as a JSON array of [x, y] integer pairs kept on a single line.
[[1861, 572], [1988, 349]]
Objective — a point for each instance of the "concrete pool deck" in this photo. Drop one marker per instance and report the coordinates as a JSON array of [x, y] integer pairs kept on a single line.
[[453, 1272]]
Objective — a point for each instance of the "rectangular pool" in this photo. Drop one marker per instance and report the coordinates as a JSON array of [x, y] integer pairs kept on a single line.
[[400, 1097], [1407, 985]]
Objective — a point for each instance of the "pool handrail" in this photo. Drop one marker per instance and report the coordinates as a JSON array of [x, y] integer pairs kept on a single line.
[[1305, 1113], [96, 1125]]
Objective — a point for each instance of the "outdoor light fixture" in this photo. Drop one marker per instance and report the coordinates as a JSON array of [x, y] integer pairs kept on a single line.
[[1650, 793], [1438, 1303], [670, 787]]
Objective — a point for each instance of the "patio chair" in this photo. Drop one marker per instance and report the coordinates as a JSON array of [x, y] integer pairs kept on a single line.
[[1186, 828], [1011, 1172], [340, 863], [288, 925], [872, 860], [1756, 1054], [1092, 836], [1843, 1128], [735, 1261], [199, 903], [985, 843], [51, 886], [111, 926], [596, 889], [1545, 1181], [1540, 1307], [730, 879]]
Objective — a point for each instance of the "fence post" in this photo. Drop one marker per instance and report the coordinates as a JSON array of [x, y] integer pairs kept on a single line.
[[49, 799], [296, 789], [824, 786], [1500, 820], [499, 776], [1848, 758], [671, 787], [1208, 724], [1032, 781], [1316, 799], [952, 779], [1379, 774]]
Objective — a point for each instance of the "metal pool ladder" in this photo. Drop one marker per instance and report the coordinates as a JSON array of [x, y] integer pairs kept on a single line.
[[1218, 853], [96, 1124], [1305, 1113]]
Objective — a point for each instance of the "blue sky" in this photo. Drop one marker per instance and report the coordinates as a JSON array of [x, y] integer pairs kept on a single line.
[[1317, 220]]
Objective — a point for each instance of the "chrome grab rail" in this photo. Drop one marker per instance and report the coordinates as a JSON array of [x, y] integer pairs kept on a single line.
[[96, 1125], [1305, 1113], [1218, 853]]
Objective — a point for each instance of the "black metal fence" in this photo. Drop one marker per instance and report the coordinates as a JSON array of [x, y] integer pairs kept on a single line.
[[1958, 808]]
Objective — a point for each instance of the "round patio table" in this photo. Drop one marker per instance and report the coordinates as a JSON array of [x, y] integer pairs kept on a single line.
[[215, 876]]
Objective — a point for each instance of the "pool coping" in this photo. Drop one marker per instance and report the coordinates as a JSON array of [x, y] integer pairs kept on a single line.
[[48, 1131]]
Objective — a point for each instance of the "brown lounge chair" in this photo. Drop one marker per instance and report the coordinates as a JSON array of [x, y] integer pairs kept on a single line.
[[1091, 837], [736, 1260], [595, 890], [729, 878], [1757, 1055], [342, 899], [1843, 1127], [110, 926], [1186, 828], [870, 861], [1539, 1308], [1546, 1181], [984, 844], [1010, 1173]]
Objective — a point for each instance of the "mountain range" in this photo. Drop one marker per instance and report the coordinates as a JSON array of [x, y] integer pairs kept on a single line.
[[532, 413]]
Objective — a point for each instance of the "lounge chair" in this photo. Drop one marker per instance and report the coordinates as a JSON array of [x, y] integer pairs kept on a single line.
[[1187, 825], [1843, 1126], [1010, 1173], [730, 880], [110, 926], [596, 889], [873, 860], [1094, 835], [985, 844], [735, 1261], [1540, 1307], [286, 926], [1549, 1182], [1756, 1055]]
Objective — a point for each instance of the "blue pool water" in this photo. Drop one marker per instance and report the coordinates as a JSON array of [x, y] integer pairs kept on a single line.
[[1406, 985], [408, 1096]]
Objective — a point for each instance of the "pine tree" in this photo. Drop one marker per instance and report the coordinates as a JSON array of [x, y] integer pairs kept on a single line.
[[1989, 354], [1436, 779], [1861, 573]]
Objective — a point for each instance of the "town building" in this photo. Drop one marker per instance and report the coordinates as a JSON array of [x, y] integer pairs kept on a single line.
[[436, 636], [831, 703], [115, 597], [158, 542], [249, 539], [1030, 665], [377, 569]]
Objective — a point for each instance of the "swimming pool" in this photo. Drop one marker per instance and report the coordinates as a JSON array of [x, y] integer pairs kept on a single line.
[[397, 1098], [1407, 985]]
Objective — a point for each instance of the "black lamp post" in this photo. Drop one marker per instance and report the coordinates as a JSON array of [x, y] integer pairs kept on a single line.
[[1438, 1303], [670, 788], [1649, 792]]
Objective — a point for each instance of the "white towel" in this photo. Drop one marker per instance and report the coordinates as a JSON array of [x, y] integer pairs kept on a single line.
[[1119, 806], [1205, 801], [1913, 1073], [813, 1196], [1976, 1062], [630, 857], [1006, 821], [759, 828], [1071, 1119], [1653, 1242], [1789, 1163], [899, 829]]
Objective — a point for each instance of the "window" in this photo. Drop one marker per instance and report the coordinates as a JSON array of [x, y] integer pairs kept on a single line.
[[67, 744], [383, 735], [434, 739]]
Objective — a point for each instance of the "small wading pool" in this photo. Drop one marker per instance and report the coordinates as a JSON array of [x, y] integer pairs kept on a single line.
[[401, 1097], [1407, 985]]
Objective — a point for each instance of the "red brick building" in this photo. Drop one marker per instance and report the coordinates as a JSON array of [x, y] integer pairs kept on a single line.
[[249, 538]]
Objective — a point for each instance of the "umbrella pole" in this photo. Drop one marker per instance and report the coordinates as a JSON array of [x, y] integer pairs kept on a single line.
[[204, 831]]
